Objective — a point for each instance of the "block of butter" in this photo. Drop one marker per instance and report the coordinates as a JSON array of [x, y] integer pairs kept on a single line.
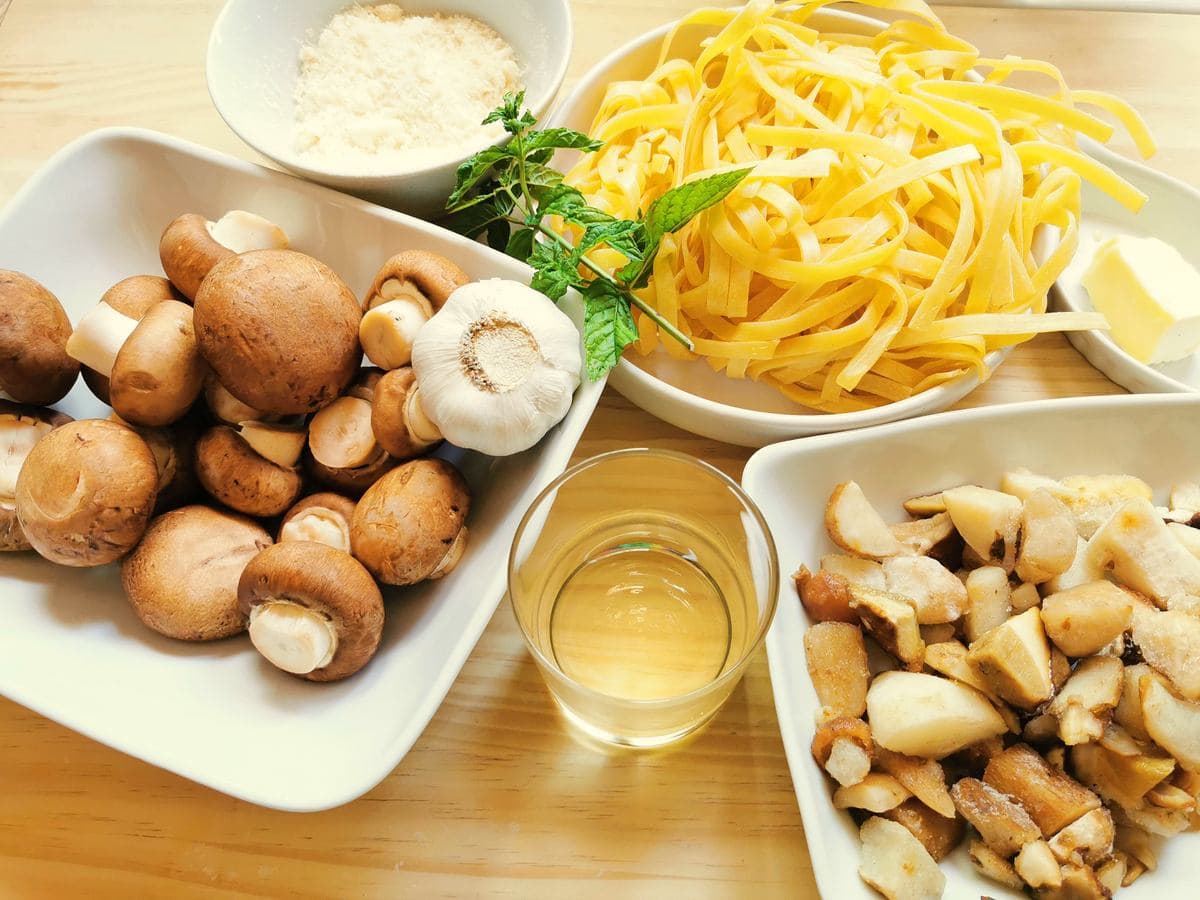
[[1150, 295]]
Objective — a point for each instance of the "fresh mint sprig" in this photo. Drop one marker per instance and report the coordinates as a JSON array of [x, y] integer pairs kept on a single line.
[[506, 193]]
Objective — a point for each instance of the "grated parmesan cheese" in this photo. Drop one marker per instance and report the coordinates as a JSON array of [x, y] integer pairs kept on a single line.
[[383, 89]]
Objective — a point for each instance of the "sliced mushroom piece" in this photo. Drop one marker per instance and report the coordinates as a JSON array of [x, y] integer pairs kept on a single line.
[[153, 364], [237, 475], [1015, 660], [131, 297], [1085, 703], [21, 427], [1087, 840], [825, 596], [35, 367], [925, 778], [1083, 620], [856, 526], [314, 611], [86, 492], [1170, 643], [1172, 722], [896, 864], [989, 601], [938, 834], [407, 291], [1002, 823], [938, 595], [1051, 797], [191, 245], [992, 865], [1037, 866], [343, 450], [410, 525], [843, 748], [836, 657], [397, 419], [892, 621], [324, 518], [1048, 538], [924, 715], [877, 793], [989, 521], [1125, 780], [1144, 555], [182, 580], [279, 329]]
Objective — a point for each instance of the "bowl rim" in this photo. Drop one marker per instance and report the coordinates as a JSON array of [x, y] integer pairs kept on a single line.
[[785, 422], [290, 161]]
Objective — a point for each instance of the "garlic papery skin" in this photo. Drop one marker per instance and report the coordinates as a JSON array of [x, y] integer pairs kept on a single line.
[[98, 338], [497, 366], [242, 231]]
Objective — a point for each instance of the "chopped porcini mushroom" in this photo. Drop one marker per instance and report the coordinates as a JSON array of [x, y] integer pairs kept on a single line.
[[892, 621], [240, 477], [923, 715], [408, 289], [1015, 660], [992, 865], [1125, 780], [876, 792], [496, 367], [939, 596], [1087, 840], [1048, 538], [1083, 570], [1052, 798], [925, 505], [1082, 620], [34, 330], [843, 748], [938, 834], [182, 580], [1000, 821], [1172, 722], [896, 864], [1144, 555], [1188, 537], [988, 521], [314, 611], [988, 601], [1037, 866], [1156, 820], [1023, 597], [1170, 643], [1087, 699], [825, 596], [837, 664], [855, 569], [86, 492], [925, 778], [950, 658], [1111, 873], [856, 526], [192, 245], [921, 536], [21, 427]]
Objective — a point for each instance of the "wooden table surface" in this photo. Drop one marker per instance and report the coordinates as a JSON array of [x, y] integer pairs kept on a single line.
[[496, 798]]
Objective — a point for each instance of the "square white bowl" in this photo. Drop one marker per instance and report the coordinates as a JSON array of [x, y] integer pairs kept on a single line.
[[71, 648], [1153, 437]]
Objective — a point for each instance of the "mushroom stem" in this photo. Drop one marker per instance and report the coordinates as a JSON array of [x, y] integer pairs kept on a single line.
[[292, 637], [228, 408], [387, 331], [281, 444], [421, 428], [453, 555], [320, 525], [99, 336], [243, 231]]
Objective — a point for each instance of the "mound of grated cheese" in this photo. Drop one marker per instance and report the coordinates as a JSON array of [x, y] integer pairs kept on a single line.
[[382, 89]]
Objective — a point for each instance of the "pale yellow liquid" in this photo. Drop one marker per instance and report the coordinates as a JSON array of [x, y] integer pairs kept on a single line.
[[641, 622]]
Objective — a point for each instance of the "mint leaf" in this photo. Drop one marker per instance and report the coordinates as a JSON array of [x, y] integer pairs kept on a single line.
[[561, 139], [623, 236], [474, 170], [472, 220], [509, 113], [570, 204], [608, 327], [520, 244], [555, 268]]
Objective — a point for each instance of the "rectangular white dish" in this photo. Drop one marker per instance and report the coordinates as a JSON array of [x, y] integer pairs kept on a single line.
[[72, 650], [1153, 437]]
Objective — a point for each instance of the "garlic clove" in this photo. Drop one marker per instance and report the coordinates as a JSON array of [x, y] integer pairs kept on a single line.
[[292, 637], [387, 332], [243, 231], [497, 366]]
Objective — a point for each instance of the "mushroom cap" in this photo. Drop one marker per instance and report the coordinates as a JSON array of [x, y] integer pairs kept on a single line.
[[132, 297], [407, 522], [12, 538], [388, 418], [279, 329], [331, 515], [158, 372], [421, 273], [86, 492], [351, 481], [34, 327], [329, 582], [188, 252], [182, 580], [233, 473], [174, 449]]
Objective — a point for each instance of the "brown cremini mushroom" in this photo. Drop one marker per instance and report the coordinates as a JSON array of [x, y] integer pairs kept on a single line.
[[34, 330], [86, 492], [191, 245], [182, 580], [131, 297], [153, 365], [314, 611], [21, 427], [323, 518], [409, 525], [343, 452], [235, 468], [399, 425], [174, 449], [279, 329], [409, 288]]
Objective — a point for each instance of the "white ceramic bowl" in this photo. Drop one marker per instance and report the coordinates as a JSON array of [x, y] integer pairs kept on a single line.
[[71, 647], [1153, 437], [690, 395], [253, 66]]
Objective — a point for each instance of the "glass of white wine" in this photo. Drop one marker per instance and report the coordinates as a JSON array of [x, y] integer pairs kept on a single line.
[[643, 581]]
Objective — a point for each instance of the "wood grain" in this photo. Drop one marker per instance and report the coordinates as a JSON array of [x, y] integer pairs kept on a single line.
[[497, 798]]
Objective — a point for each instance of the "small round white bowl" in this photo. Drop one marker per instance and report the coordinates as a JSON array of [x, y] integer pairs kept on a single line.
[[690, 395], [253, 64]]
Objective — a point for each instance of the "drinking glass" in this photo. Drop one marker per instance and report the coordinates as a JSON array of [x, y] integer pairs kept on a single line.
[[643, 582]]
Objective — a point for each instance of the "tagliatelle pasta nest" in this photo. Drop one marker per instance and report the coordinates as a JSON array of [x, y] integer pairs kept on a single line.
[[884, 242]]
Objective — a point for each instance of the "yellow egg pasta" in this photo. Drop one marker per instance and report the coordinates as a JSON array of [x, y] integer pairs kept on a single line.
[[886, 239]]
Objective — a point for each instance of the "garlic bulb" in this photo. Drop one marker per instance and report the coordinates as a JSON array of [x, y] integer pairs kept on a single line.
[[496, 367]]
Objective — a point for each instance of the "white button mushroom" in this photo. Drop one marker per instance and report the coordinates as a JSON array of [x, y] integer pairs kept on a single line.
[[496, 367], [191, 245]]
